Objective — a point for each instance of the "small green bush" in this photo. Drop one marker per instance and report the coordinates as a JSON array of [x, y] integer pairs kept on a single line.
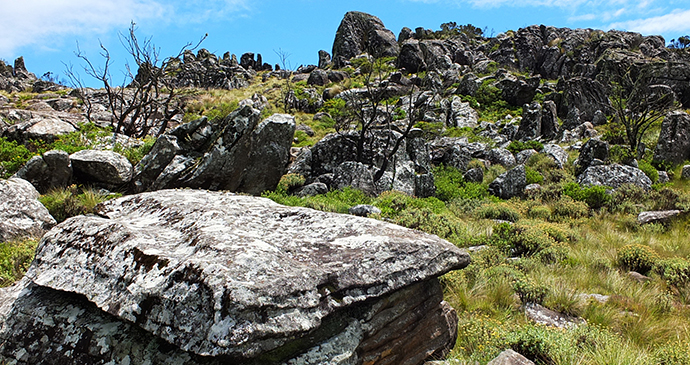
[[15, 258], [675, 353], [595, 196], [450, 185], [539, 212], [567, 208], [500, 211], [12, 157], [676, 271], [649, 170], [290, 182], [533, 177], [520, 239], [637, 258], [516, 146], [530, 292], [68, 202]]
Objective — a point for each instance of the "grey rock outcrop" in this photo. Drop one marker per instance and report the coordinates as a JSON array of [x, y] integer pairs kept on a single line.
[[460, 114], [408, 169], [359, 33], [104, 167], [685, 172], [21, 214], [510, 183], [614, 176], [531, 123], [524, 155], [674, 140], [236, 153], [501, 156], [41, 128], [557, 154], [364, 210], [47, 172], [324, 59], [235, 278], [594, 149]]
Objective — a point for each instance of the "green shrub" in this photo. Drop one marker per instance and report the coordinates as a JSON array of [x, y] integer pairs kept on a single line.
[[445, 226], [552, 255], [530, 292], [621, 154], [135, 154], [637, 258], [595, 196], [450, 185], [500, 211], [537, 343], [290, 182], [520, 239], [649, 170], [676, 271], [12, 157], [539, 212], [675, 353], [516, 146], [533, 177], [566, 207], [221, 110], [15, 258]]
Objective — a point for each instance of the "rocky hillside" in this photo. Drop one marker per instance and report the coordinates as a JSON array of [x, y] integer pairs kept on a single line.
[[558, 158]]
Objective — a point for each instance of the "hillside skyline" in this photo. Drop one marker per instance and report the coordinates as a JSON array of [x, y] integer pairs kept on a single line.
[[299, 29]]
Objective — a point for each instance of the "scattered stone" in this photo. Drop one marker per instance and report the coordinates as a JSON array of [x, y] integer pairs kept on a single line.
[[547, 317], [47, 172], [475, 175], [106, 167], [42, 128], [614, 176], [510, 357], [524, 155], [364, 210], [194, 268], [557, 154], [663, 177], [509, 184], [549, 120], [634, 275], [657, 216], [316, 188], [603, 299], [501, 156], [532, 189], [530, 125], [21, 214], [594, 149]]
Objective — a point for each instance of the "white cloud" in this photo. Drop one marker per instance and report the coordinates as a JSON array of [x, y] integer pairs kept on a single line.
[[676, 21], [38, 22]]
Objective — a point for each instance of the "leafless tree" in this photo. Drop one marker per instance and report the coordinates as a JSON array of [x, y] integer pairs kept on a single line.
[[638, 103], [373, 109], [143, 101]]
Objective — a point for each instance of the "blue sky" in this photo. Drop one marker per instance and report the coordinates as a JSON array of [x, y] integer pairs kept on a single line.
[[46, 32]]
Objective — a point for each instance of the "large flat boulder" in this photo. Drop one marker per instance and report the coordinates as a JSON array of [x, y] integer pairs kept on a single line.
[[243, 279]]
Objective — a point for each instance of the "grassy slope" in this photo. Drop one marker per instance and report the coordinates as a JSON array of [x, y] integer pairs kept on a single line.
[[567, 248]]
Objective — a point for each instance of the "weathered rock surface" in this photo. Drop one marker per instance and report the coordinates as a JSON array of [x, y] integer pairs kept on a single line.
[[594, 149], [105, 167], [501, 156], [530, 125], [21, 214], [510, 357], [42, 128], [237, 154], [657, 216], [408, 169], [510, 183], [674, 140], [364, 210], [556, 153], [547, 317], [240, 279], [614, 175], [47, 172], [359, 33]]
